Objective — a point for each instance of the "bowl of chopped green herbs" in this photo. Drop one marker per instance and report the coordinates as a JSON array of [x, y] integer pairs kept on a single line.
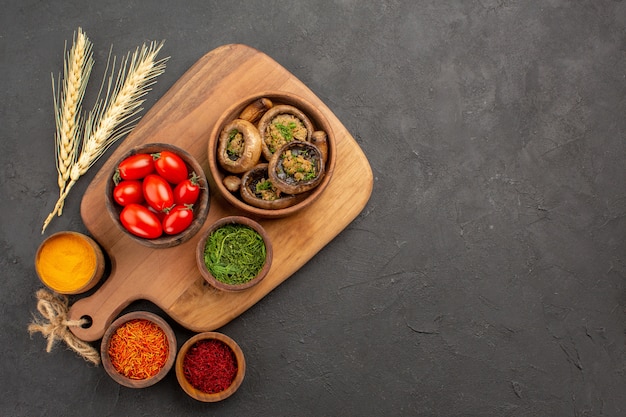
[[234, 253]]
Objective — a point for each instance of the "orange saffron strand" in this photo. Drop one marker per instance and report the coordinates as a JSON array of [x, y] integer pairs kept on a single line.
[[138, 349]]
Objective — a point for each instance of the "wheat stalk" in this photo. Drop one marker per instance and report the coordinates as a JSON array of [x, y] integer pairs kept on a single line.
[[112, 117], [67, 105]]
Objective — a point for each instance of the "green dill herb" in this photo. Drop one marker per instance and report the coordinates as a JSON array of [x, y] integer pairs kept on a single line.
[[263, 185], [234, 254], [286, 131], [233, 148]]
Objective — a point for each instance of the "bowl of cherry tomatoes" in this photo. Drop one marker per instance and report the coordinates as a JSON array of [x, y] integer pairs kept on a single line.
[[158, 195]]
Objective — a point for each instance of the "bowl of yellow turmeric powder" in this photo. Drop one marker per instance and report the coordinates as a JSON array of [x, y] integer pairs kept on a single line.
[[69, 262]]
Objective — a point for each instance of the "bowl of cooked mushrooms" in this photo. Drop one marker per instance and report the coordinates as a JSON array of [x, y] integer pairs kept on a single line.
[[272, 154]]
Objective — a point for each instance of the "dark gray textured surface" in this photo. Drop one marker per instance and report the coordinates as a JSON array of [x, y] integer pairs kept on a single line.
[[484, 278]]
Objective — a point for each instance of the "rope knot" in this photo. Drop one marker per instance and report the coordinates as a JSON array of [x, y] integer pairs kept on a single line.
[[55, 325]]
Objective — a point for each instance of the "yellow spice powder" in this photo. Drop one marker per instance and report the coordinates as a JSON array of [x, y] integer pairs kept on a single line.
[[66, 262]]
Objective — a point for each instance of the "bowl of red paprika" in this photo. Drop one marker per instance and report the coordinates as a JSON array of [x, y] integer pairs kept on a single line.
[[158, 195], [138, 349], [210, 366]]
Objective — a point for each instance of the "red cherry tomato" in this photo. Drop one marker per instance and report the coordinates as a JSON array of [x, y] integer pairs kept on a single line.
[[187, 192], [128, 191], [178, 219], [170, 166], [136, 167], [140, 221], [158, 192]]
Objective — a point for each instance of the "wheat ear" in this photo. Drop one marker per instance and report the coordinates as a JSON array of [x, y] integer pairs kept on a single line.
[[67, 105], [112, 117]]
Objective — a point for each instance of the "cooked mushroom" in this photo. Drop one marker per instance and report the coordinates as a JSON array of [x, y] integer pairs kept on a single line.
[[232, 183], [319, 138], [282, 124], [255, 110], [239, 147], [296, 167], [258, 191]]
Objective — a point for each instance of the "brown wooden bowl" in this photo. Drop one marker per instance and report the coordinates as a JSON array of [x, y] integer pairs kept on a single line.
[[206, 274], [200, 209], [320, 123], [106, 359], [201, 395], [47, 256]]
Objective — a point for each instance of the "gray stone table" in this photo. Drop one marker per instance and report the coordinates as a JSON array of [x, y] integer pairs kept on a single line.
[[485, 276]]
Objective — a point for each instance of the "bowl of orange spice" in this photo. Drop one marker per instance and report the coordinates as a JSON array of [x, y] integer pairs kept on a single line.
[[69, 262], [138, 349]]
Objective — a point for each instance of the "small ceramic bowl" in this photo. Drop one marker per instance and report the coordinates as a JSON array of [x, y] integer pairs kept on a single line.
[[62, 255], [200, 248], [319, 124], [200, 208], [193, 391], [110, 334]]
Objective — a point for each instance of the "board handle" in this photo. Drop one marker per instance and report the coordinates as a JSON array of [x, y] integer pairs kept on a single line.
[[98, 319]]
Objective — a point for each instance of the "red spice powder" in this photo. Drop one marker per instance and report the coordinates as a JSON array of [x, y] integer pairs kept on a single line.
[[210, 366], [138, 349]]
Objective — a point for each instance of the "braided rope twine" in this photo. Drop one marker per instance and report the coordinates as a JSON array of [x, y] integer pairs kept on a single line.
[[54, 325]]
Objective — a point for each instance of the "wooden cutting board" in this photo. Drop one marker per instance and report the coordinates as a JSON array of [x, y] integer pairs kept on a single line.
[[168, 277]]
